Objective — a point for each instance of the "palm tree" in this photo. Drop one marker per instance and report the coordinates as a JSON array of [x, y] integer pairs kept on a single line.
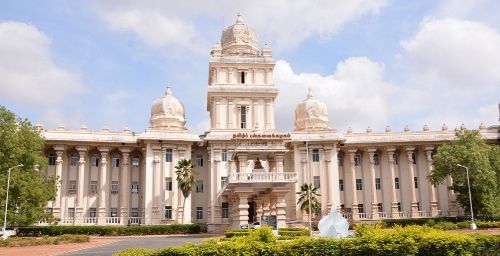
[[303, 201], [186, 179]]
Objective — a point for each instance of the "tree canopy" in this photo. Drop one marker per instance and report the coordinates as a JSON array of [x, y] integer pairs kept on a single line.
[[303, 200], [30, 190], [483, 161]]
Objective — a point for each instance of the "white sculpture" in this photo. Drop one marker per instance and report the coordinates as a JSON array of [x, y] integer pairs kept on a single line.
[[333, 225]]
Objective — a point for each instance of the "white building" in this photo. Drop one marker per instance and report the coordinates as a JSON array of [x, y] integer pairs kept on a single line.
[[247, 170]]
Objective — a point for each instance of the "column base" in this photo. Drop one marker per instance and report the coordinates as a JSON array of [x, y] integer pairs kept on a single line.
[[434, 209], [79, 216], [414, 210], [375, 215], [355, 211], [101, 220], [394, 211]]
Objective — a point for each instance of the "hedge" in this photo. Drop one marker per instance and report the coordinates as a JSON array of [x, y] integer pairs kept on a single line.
[[31, 241], [445, 223], [111, 230], [293, 232], [229, 233], [410, 240]]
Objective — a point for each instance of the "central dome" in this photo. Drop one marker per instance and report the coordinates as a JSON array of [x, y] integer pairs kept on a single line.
[[311, 114], [240, 39], [167, 112]]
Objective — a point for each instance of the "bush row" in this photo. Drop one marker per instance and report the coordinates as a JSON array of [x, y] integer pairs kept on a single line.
[[445, 223], [293, 232], [410, 240], [229, 233], [31, 241], [111, 230]]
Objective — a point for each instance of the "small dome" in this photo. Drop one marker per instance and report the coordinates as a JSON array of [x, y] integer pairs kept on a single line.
[[167, 112], [311, 114], [240, 39]]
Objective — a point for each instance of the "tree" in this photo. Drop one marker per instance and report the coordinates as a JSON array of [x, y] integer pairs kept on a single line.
[[186, 180], [303, 201], [30, 190], [483, 161]]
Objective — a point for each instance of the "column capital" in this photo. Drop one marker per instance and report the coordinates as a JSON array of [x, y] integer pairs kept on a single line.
[[352, 150], [390, 149], [125, 156], [429, 148], [371, 149], [103, 149], [391, 156], [82, 148], [428, 155], [410, 149], [125, 150], [58, 148]]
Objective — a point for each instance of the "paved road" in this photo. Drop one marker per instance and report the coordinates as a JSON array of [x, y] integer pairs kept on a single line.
[[145, 242]]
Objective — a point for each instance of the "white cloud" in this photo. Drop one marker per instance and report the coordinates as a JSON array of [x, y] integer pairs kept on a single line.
[[28, 73], [357, 94], [455, 52], [285, 24]]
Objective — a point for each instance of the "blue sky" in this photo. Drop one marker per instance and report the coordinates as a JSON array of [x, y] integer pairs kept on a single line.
[[374, 62]]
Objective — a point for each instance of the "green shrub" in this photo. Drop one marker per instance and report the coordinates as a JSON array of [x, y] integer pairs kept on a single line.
[[111, 230], [229, 233], [32, 241], [293, 232], [410, 240], [136, 252]]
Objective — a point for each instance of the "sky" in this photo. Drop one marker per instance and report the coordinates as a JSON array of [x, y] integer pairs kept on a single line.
[[375, 63]]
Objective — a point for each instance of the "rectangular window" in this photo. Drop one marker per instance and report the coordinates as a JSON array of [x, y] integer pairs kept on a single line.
[[168, 184], [376, 159], [71, 212], [114, 187], [199, 160], [241, 77], [93, 187], [115, 161], [315, 155], [361, 208], [73, 160], [379, 207], [223, 181], [199, 213], [72, 187], [225, 210], [52, 159], [317, 182], [135, 162], [377, 184], [223, 155], [93, 212], [94, 160], [134, 212], [168, 155], [357, 160], [243, 117], [135, 187], [399, 207], [168, 212], [415, 181], [414, 158], [340, 159], [396, 183], [199, 186], [341, 185], [113, 212], [396, 158], [359, 184]]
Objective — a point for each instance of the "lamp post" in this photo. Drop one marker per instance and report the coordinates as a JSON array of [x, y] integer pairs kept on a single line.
[[4, 230], [472, 225]]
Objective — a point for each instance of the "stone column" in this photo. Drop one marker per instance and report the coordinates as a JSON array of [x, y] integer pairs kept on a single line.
[[242, 159], [216, 210], [279, 157], [157, 184], [452, 201], [411, 174], [371, 154], [82, 151], [394, 199], [280, 207], [266, 205], [355, 210], [125, 186], [332, 170], [259, 210], [103, 193], [242, 212], [323, 179], [432, 190], [59, 166], [217, 113], [230, 114]]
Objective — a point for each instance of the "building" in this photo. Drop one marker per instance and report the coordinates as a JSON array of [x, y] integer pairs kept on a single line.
[[247, 170]]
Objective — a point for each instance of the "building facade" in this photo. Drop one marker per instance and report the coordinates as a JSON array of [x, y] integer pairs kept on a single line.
[[247, 170]]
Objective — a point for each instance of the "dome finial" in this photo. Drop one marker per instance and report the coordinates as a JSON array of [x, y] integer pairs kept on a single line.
[[168, 91], [310, 94], [239, 20]]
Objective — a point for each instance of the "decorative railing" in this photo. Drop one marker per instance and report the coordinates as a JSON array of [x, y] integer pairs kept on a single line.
[[134, 220], [89, 220], [112, 220], [423, 214], [404, 215], [382, 215], [251, 177], [363, 215]]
